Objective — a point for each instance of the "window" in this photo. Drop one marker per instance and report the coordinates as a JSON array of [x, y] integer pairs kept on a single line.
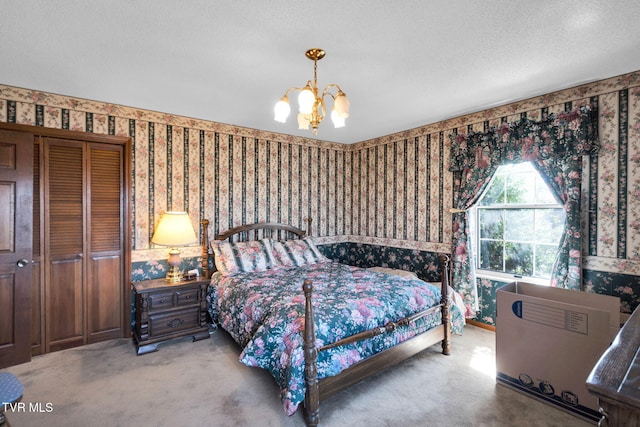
[[518, 224]]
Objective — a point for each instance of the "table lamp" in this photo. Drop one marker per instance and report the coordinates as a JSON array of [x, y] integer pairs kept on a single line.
[[174, 230]]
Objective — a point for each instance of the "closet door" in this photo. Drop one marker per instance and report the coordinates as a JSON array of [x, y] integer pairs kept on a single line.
[[67, 283], [64, 243], [16, 153], [105, 209]]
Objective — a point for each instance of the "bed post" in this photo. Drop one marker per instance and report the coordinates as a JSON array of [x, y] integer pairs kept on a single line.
[[446, 342], [205, 248], [309, 220], [312, 396]]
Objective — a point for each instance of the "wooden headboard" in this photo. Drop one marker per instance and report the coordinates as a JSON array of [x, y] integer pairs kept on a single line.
[[249, 232]]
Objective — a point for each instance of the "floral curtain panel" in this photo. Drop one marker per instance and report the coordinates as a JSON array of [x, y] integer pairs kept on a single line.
[[555, 146]]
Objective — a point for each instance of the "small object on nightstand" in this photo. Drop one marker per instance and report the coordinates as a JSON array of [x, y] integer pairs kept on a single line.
[[191, 274], [168, 310]]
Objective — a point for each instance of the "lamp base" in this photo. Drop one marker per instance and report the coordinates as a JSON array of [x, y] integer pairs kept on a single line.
[[174, 274]]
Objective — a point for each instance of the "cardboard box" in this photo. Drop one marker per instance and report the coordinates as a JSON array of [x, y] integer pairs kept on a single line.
[[548, 340]]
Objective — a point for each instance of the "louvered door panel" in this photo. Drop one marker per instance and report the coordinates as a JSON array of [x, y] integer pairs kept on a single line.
[[36, 272], [64, 229], [65, 200], [104, 284]]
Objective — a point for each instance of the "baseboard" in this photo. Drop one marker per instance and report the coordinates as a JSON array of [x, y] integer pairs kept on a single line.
[[480, 325]]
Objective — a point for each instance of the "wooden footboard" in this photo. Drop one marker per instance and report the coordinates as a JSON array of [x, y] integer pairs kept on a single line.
[[318, 390]]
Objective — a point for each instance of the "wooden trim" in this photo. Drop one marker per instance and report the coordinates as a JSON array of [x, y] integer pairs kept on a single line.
[[480, 325], [66, 134], [128, 237]]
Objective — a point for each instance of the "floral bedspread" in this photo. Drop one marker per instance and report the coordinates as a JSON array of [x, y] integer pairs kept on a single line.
[[264, 313]]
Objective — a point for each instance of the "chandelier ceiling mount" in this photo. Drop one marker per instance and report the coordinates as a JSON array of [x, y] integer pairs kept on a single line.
[[315, 54]]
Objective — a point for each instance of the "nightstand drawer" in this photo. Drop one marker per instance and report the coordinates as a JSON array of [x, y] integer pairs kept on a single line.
[[187, 297], [174, 321], [160, 300]]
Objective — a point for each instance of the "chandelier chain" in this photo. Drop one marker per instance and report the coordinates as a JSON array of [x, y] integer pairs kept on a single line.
[[315, 73]]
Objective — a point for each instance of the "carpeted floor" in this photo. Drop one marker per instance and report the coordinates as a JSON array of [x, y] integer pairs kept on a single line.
[[203, 384]]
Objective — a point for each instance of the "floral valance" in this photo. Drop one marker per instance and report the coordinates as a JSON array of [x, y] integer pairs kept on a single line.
[[559, 135]]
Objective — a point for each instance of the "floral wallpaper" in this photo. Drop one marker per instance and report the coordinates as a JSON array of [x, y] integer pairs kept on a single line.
[[425, 264], [384, 200]]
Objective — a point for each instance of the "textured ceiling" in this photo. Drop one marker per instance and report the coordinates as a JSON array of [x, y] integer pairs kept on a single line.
[[403, 64]]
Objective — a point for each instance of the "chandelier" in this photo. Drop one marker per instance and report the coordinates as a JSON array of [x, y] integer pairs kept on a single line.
[[312, 108]]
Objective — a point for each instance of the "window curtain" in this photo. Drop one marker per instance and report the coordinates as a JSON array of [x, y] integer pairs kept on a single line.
[[555, 146]]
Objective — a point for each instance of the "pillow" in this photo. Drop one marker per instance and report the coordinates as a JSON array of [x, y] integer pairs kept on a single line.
[[242, 257], [295, 253]]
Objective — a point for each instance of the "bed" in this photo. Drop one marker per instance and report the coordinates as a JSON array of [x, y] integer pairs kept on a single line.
[[316, 325]]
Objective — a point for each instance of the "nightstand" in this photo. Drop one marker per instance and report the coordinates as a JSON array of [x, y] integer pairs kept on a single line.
[[168, 310]]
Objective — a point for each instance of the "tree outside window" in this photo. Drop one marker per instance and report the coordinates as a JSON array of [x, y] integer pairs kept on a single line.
[[518, 224]]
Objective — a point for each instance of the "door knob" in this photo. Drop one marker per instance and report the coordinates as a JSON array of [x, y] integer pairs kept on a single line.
[[22, 263]]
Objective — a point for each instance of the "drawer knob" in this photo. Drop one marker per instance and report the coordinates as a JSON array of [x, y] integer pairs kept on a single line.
[[175, 323]]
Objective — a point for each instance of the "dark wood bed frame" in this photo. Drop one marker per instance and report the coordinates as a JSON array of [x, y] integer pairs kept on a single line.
[[322, 389]]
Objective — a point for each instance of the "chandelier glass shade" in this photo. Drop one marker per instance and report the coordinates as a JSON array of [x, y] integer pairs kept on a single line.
[[311, 106]]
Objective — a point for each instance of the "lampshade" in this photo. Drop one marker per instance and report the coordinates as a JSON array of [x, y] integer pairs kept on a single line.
[[306, 100], [303, 121], [341, 104], [337, 119], [174, 229], [281, 110]]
